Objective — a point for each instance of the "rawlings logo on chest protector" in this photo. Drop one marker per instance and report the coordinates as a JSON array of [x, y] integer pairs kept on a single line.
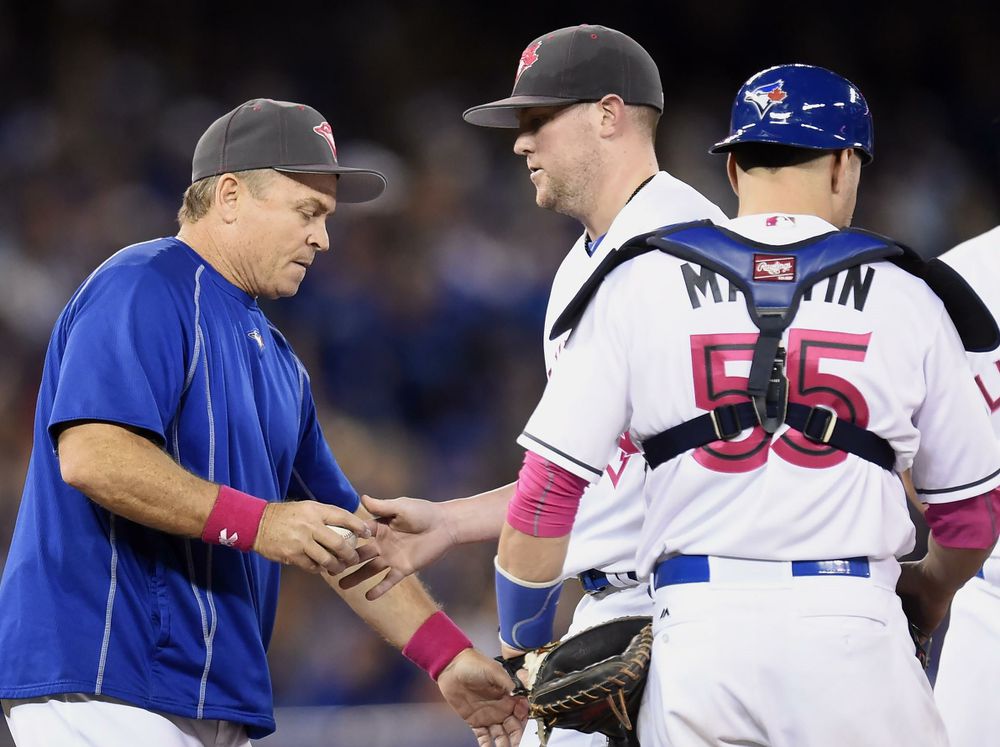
[[769, 267]]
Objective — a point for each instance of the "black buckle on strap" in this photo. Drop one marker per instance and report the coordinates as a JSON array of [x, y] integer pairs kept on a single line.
[[725, 422], [819, 425]]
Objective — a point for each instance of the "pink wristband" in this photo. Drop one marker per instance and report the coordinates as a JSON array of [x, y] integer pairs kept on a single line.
[[234, 520], [435, 644]]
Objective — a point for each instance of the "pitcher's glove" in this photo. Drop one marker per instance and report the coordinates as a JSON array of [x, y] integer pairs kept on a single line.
[[590, 682]]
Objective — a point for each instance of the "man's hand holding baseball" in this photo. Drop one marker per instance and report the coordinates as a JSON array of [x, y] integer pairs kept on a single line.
[[410, 535], [296, 533]]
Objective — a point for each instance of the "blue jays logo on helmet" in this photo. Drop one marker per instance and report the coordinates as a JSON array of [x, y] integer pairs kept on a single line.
[[801, 106], [766, 96]]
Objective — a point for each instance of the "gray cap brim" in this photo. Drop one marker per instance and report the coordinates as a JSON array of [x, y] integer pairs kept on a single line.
[[503, 112], [353, 185]]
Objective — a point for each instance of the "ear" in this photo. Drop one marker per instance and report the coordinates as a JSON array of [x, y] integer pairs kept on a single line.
[[228, 191], [731, 171], [840, 169], [613, 115]]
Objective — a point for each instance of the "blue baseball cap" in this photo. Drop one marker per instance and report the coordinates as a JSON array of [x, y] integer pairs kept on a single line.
[[804, 107]]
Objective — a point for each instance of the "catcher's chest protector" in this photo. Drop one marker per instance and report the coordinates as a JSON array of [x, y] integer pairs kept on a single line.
[[773, 280]]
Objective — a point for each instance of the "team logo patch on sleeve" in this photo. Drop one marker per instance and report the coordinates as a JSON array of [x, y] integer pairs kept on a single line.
[[766, 96], [769, 267]]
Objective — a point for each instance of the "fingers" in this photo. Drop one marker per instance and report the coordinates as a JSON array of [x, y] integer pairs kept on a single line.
[[370, 570], [323, 559], [499, 736], [521, 710], [366, 572], [392, 578], [338, 546], [368, 552], [378, 507], [507, 734], [340, 518], [515, 729]]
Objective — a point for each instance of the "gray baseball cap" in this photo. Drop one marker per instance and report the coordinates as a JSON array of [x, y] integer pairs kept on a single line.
[[577, 63], [280, 135]]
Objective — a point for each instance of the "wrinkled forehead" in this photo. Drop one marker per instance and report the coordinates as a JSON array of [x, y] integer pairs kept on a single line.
[[321, 187]]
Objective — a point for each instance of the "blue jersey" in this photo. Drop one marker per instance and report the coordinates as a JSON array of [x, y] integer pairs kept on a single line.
[[157, 340]]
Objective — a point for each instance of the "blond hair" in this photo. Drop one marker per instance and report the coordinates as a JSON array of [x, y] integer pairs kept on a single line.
[[646, 118], [199, 196]]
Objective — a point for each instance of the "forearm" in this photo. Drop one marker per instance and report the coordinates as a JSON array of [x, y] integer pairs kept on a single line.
[[948, 568], [532, 551], [479, 517], [132, 477], [398, 613], [535, 559]]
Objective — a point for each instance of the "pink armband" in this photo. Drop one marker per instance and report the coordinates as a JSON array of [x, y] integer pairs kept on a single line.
[[969, 523], [437, 641], [234, 520], [546, 498]]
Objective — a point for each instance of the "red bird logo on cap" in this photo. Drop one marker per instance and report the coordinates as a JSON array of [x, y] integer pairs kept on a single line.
[[528, 58], [325, 131]]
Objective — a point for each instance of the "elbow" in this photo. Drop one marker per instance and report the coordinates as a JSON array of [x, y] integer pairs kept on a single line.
[[77, 466], [74, 471]]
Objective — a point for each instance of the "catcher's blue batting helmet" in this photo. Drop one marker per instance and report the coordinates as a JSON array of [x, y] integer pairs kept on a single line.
[[801, 106]]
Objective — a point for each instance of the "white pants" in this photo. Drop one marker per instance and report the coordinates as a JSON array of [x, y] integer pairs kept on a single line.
[[589, 612], [77, 720], [968, 680], [804, 662]]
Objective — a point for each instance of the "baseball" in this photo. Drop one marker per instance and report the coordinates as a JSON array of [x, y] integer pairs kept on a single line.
[[347, 534]]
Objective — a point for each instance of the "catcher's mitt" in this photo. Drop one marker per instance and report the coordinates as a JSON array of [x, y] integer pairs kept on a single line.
[[590, 682]]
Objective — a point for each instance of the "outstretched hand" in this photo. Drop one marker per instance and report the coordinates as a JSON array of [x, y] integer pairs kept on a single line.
[[410, 535], [478, 689]]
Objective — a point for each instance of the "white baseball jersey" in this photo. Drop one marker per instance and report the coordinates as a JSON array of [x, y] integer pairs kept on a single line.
[[603, 534], [663, 341], [978, 261], [969, 672]]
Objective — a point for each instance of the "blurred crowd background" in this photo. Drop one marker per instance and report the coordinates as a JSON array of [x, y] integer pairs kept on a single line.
[[422, 327]]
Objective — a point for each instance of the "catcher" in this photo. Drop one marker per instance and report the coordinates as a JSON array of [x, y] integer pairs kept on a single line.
[[780, 371]]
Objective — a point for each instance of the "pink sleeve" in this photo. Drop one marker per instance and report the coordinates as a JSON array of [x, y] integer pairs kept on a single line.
[[970, 523], [546, 498]]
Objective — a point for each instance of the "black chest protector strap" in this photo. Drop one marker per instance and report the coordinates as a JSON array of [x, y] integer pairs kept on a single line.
[[818, 424], [773, 280]]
